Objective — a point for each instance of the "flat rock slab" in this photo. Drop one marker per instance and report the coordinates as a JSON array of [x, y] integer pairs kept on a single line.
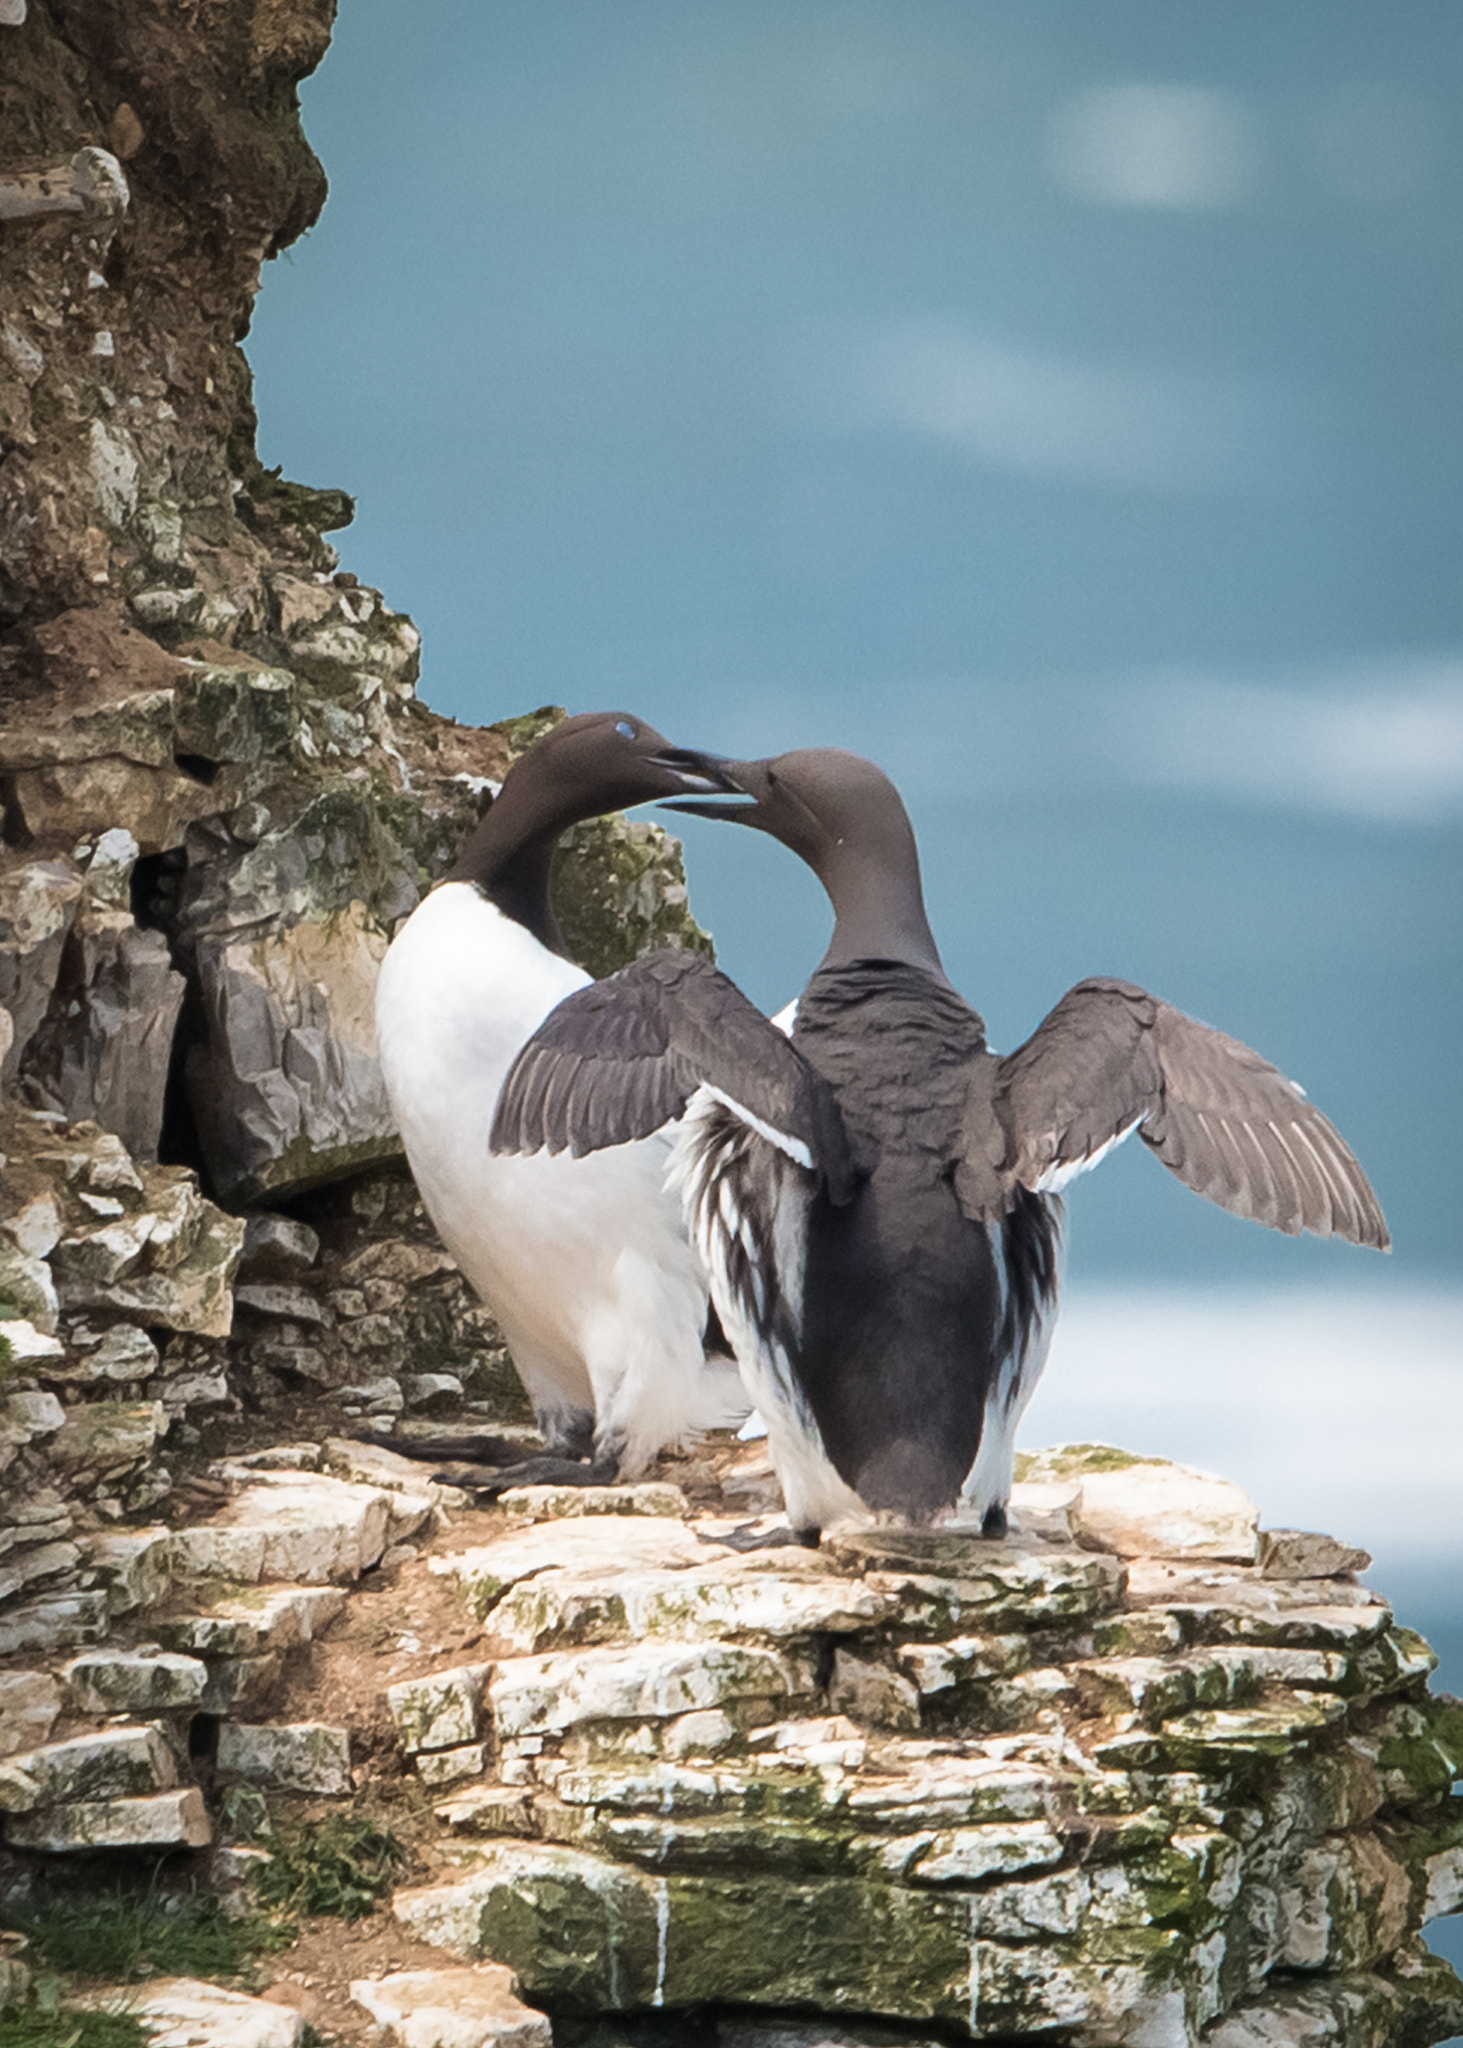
[[737, 1597], [303, 1526], [647, 1681], [180, 2012], [650, 1497], [133, 1682], [476, 2006], [1298, 1554], [1143, 1507], [985, 1590], [374, 1465], [965, 1855], [630, 1543], [110, 1763], [166, 1820], [301, 1756], [57, 1623], [450, 1766], [605, 1936], [268, 1618]]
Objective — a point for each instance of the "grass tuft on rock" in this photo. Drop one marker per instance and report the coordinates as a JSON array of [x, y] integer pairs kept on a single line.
[[341, 1866], [71, 2029], [129, 1933]]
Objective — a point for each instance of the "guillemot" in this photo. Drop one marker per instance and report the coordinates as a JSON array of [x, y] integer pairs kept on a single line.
[[876, 1200], [586, 1264]]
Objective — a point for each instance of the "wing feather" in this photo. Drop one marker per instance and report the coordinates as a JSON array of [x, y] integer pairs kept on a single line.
[[1109, 1058], [617, 1060]]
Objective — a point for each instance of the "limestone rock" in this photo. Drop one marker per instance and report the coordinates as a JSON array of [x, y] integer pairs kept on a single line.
[[123, 1354], [440, 1712], [112, 1763], [305, 1527], [103, 1051], [620, 890], [165, 1820], [447, 1766], [289, 1092], [134, 1565], [639, 1541], [965, 1855], [182, 2012], [277, 1248], [531, 1695], [870, 1691], [38, 902], [32, 1347], [26, 1284], [125, 1682], [29, 1704], [623, 1939], [1145, 1507], [649, 1497], [54, 1623], [28, 1415], [172, 1263], [303, 1756], [1295, 1554], [742, 1597], [472, 2007], [267, 1618], [107, 1436], [1046, 1508], [374, 1465]]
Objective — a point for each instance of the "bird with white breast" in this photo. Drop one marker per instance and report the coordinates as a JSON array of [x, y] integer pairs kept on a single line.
[[585, 1263]]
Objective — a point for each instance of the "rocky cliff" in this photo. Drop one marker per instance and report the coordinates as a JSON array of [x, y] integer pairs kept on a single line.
[[1139, 1775]]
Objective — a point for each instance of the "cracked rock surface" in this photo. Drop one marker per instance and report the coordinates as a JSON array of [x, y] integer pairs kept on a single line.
[[670, 1762]]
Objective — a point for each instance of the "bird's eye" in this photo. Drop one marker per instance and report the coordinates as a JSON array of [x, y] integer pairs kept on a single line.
[[624, 726]]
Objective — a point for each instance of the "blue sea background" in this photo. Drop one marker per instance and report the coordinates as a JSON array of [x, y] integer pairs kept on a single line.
[[1061, 405]]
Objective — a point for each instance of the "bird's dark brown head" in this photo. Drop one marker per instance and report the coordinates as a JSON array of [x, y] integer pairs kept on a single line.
[[601, 761], [595, 762], [845, 818]]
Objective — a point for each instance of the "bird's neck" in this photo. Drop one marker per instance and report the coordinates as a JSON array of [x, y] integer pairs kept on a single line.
[[879, 913], [510, 858]]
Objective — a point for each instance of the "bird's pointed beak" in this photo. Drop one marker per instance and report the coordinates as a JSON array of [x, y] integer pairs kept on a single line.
[[710, 775]]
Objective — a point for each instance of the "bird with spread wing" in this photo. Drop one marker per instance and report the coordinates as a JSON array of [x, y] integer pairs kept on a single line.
[[876, 1196]]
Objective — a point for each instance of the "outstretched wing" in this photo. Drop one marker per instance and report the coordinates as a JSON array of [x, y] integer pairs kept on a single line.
[[1110, 1058], [617, 1060]]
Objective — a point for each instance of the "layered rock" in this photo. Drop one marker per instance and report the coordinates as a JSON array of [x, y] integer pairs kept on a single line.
[[1006, 1788], [995, 1790]]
